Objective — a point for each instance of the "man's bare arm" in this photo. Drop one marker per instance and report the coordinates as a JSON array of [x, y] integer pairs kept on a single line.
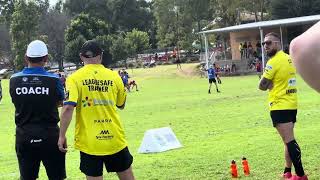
[[265, 84], [65, 119], [305, 52]]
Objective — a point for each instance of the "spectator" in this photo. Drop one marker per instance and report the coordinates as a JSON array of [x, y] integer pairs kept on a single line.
[[202, 71], [156, 57], [259, 52], [250, 50], [241, 50], [245, 50], [258, 68], [176, 56], [233, 68], [62, 79]]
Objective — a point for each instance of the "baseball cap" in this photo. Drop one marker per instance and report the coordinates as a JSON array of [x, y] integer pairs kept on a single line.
[[37, 48], [90, 49]]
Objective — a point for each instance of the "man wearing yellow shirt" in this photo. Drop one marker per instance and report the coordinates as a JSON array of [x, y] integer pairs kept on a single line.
[[280, 78], [96, 92]]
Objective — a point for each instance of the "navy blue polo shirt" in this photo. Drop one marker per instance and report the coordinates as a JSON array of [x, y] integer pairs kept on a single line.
[[36, 94]]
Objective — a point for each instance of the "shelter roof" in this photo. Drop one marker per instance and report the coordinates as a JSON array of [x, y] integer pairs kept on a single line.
[[264, 24]]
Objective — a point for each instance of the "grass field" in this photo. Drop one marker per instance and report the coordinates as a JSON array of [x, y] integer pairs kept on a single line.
[[213, 128]]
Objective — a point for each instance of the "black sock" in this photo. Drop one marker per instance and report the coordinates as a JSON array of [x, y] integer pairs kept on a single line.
[[286, 170], [295, 155]]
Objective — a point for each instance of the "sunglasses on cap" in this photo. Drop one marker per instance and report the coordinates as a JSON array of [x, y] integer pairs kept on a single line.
[[268, 43]]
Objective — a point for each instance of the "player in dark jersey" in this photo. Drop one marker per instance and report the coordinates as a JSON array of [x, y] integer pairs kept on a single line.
[[36, 95]]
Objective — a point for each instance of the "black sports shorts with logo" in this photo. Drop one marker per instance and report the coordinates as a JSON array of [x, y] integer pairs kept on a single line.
[[36, 145], [213, 80], [283, 116], [92, 165]]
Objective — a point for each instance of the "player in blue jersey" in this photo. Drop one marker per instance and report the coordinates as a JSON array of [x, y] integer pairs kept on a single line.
[[212, 78]]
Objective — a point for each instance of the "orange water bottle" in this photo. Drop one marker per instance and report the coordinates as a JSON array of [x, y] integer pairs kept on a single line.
[[233, 169], [245, 166]]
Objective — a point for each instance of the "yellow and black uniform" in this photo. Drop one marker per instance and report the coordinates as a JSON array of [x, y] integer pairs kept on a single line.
[[282, 73], [283, 96], [96, 92]]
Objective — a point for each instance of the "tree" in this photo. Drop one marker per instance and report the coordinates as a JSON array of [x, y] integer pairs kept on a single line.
[[105, 42], [137, 41], [95, 8], [225, 12], [87, 26], [200, 11], [6, 10], [294, 8], [54, 24], [176, 20], [257, 7], [84, 27], [72, 50], [130, 14], [166, 22], [119, 49], [23, 29]]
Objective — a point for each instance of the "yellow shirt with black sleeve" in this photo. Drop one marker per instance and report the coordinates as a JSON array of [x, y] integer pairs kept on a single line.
[[96, 92], [282, 73]]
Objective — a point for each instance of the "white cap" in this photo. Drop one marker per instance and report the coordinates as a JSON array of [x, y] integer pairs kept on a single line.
[[37, 48]]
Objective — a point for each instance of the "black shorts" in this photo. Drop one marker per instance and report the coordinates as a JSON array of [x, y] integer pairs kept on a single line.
[[283, 116], [42, 146], [212, 80], [92, 165]]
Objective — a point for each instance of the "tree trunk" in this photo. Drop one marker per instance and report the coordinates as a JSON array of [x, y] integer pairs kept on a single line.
[[256, 16], [200, 39], [261, 9]]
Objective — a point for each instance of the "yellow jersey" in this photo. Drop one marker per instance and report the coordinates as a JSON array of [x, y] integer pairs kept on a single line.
[[96, 92], [282, 73]]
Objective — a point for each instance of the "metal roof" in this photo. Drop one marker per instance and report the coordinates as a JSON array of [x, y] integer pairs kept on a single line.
[[263, 24]]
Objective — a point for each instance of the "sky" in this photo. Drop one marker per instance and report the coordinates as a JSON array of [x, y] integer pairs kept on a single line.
[[53, 2]]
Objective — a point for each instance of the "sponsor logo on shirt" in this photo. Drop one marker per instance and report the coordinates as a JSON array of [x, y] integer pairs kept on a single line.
[[104, 135], [86, 102], [24, 79], [292, 82], [36, 141], [268, 67], [102, 121], [96, 102]]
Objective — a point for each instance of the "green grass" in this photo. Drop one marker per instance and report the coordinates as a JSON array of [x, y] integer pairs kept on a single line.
[[213, 128]]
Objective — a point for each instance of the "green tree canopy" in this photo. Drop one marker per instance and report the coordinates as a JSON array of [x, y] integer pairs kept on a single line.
[[85, 27], [72, 50], [137, 41], [119, 49], [23, 29], [294, 8]]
